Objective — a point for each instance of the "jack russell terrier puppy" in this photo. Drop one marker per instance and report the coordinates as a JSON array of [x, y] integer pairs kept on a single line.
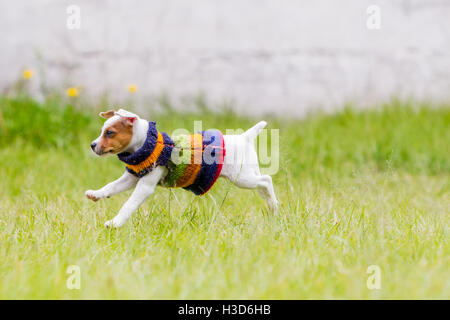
[[191, 161]]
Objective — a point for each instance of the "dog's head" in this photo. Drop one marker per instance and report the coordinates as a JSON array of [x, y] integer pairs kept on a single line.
[[117, 132]]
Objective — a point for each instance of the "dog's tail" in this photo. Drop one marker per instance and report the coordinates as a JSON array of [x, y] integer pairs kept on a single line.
[[253, 132]]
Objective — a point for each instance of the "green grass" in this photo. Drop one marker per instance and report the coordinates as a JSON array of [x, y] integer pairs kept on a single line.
[[356, 189]]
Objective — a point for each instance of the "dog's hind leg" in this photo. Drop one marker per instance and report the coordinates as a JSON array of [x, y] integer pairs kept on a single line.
[[241, 164], [264, 185], [267, 192]]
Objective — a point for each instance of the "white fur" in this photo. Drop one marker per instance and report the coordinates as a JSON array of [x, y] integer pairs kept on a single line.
[[240, 167]]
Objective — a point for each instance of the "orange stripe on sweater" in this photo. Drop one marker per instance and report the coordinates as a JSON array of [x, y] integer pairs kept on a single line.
[[192, 169], [151, 158]]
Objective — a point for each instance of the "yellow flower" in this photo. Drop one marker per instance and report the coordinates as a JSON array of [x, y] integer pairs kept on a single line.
[[27, 74], [72, 92], [132, 88]]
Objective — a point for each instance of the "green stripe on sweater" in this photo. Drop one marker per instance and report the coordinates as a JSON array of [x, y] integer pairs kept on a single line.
[[181, 158]]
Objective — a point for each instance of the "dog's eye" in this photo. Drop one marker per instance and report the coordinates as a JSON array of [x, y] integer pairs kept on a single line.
[[109, 133]]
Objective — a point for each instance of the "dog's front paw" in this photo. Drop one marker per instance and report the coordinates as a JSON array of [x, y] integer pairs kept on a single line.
[[94, 195], [114, 223]]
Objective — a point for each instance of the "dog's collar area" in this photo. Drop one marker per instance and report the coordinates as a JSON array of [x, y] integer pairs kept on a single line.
[[156, 150], [191, 174]]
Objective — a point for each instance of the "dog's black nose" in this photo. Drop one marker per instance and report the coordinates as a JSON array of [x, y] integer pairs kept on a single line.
[[93, 144]]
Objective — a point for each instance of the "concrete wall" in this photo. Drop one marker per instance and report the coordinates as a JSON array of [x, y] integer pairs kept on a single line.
[[281, 56]]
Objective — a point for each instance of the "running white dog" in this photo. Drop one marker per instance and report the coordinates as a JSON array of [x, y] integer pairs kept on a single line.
[[149, 157]]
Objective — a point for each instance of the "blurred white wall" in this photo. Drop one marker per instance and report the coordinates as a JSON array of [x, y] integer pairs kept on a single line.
[[280, 56]]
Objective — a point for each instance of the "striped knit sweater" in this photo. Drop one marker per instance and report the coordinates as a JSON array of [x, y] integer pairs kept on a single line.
[[194, 161]]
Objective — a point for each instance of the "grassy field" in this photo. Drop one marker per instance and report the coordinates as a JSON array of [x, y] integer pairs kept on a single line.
[[355, 189]]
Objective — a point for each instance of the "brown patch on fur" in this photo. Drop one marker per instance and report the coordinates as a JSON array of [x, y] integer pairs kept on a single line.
[[119, 140], [107, 114]]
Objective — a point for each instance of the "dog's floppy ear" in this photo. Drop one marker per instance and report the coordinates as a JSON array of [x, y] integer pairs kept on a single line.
[[128, 117], [107, 114]]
